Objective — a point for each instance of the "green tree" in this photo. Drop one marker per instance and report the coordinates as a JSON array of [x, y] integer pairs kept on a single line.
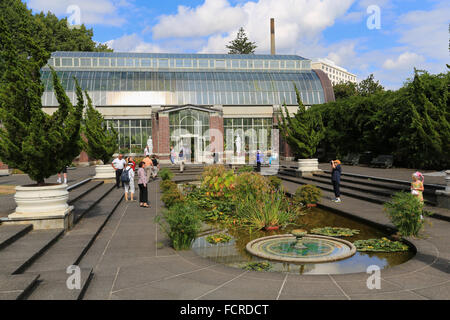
[[369, 86], [31, 140], [304, 131], [101, 142], [57, 35], [241, 45], [345, 90]]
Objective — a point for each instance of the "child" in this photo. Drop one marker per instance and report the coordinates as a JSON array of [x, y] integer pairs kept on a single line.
[[417, 186]]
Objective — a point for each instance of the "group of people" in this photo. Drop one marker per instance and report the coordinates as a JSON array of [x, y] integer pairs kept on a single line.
[[125, 172], [417, 184]]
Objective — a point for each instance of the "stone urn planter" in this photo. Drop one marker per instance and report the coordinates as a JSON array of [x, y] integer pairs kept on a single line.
[[104, 171], [45, 207], [307, 167]]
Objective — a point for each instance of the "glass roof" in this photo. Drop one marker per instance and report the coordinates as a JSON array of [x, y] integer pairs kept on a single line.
[[174, 55], [194, 87]]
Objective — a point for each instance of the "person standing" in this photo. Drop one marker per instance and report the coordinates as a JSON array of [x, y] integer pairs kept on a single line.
[[181, 157], [118, 164], [173, 155], [336, 172], [417, 186], [130, 159], [148, 167], [143, 183], [147, 151], [155, 167], [258, 161], [129, 186], [64, 172]]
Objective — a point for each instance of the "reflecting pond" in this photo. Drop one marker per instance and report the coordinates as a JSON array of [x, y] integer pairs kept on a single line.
[[234, 253]]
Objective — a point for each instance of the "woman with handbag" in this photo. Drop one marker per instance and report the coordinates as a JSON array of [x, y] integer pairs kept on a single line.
[[417, 185]]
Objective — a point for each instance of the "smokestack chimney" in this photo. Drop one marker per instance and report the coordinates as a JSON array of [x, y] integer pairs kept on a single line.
[[272, 36]]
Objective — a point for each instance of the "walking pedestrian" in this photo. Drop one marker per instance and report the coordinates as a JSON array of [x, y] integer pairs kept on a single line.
[[118, 164], [143, 183], [64, 173], [128, 180], [336, 172]]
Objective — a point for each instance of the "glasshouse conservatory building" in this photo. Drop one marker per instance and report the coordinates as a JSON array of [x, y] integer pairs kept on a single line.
[[203, 102]]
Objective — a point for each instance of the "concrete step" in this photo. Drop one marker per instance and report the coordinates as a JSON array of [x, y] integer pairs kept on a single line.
[[16, 257], [16, 287], [9, 234], [81, 191], [379, 187], [52, 285], [89, 200], [344, 191], [71, 248]]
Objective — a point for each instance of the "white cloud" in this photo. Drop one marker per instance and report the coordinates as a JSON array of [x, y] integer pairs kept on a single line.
[[295, 20], [132, 43], [214, 16], [405, 61], [426, 32], [103, 12]]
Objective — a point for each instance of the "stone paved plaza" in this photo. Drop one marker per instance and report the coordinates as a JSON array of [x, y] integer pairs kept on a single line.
[[129, 257]]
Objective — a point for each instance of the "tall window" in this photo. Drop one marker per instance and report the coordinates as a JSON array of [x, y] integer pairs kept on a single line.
[[262, 127], [133, 134]]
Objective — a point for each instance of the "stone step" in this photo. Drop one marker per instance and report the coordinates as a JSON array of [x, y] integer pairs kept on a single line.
[[87, 202], [71, 248], [9, 234], [52, 285], [344, 191], [16, 257], [16, 287], [81, 191], [386, 180], [380, 188]]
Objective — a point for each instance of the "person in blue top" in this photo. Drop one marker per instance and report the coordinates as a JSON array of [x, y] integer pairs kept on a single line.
[[258, 161], [336, 179]]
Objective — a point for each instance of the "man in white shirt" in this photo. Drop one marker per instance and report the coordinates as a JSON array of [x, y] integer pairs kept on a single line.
[[118, 164]]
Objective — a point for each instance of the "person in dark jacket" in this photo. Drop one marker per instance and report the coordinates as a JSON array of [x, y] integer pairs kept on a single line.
[[336, 179]]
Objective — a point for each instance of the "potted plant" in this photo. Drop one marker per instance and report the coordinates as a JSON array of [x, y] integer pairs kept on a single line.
[[31, 140], [308, 194], [303, 132], [100, 143]]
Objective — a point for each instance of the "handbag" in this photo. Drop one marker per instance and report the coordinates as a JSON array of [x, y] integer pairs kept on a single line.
[[414, 192]]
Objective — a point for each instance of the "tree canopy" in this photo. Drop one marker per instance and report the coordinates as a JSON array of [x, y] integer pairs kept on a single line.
[[31, 140], [241, 44], [364, 88], [411, 123], [101, 142], [303, 131]]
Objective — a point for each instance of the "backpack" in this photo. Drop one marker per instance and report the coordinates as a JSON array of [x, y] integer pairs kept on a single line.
[[180, 154], [125, 177]]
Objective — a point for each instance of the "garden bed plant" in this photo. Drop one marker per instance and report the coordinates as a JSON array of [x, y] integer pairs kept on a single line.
[[380, 245], [258, 266], [335, 231], [218, 238]]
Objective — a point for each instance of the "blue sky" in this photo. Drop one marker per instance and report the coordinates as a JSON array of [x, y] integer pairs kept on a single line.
[[412, 33]]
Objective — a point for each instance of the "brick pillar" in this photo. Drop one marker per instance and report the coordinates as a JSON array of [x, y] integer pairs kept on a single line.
[[285, 149], [217, 134], [163, 141]]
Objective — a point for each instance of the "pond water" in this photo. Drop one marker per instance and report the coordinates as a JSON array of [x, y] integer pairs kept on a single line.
[[234, 253]]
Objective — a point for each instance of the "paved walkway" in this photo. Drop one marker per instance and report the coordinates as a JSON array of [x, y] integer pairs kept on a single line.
[[132, 260]]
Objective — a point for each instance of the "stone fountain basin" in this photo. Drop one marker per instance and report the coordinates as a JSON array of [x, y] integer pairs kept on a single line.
[[345, 249]]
